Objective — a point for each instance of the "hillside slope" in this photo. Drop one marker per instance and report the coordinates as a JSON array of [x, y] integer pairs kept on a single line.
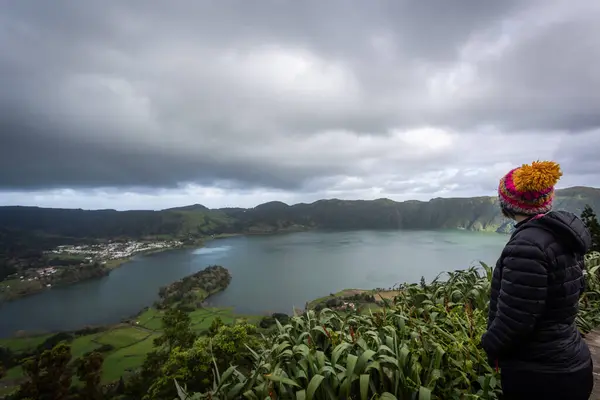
[[476, 213]]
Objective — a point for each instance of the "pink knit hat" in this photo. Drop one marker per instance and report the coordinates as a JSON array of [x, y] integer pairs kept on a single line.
[[529, 189]]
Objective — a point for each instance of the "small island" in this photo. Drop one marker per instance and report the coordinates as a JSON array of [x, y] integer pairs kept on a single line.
[[193, 290]]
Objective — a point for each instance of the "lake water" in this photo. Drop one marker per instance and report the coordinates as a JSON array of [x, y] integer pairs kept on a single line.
[[270, 274]]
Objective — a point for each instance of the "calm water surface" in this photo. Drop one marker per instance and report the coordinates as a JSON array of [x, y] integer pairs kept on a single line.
[[270, 273]]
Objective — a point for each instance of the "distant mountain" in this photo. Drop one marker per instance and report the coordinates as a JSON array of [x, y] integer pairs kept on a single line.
[[475, 213], [193, 207]]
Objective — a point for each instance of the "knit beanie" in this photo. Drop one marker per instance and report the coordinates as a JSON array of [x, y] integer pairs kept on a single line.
[[529, 189]]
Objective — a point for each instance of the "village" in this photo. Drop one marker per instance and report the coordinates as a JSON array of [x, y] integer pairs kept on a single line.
[[89, 255], [114, 250]]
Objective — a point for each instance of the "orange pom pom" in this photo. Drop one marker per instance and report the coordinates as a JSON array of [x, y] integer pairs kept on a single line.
[[536, 177]]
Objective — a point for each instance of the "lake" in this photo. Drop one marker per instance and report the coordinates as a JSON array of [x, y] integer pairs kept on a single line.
[[270, 274]]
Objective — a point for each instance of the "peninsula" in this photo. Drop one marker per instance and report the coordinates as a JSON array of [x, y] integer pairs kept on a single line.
[[193, 290], [71, 263]]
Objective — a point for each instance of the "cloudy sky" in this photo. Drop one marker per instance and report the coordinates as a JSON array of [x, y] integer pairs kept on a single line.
[[152, 104]]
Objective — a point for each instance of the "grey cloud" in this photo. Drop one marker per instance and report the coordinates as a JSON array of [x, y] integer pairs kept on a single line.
[[239, 94], [580, 154], [548, 80]]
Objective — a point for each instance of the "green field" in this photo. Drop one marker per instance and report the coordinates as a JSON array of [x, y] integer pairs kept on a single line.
[[127, 358], [83, 345], [23, 344], [124, 337], [201, 318], [130, 342], [150, 319]]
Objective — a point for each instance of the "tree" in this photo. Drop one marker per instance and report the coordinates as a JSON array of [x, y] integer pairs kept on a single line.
[[48, 375], [89, 371], [588, 216], [194, 366], [215, 325], [177, 330], [120, 389], [177, 333], [137, 386]]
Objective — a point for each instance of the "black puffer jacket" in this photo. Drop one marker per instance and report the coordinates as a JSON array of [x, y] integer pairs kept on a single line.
[[535, 294]]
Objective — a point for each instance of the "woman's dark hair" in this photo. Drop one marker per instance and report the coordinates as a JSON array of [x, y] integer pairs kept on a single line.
[[508, 213]]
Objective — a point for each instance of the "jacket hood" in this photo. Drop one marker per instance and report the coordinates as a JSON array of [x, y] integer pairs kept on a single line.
[[566, 228]]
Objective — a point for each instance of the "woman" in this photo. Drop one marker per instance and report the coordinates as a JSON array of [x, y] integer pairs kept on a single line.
[[536, 286]]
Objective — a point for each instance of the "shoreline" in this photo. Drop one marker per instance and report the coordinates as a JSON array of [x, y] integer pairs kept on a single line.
[[125, 321], [118, 262], [110, 266]]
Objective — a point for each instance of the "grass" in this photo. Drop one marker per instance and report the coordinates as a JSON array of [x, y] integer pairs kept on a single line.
[[18, 345], [83, 345], [123, 337], [203, 221], [14, 373], [127, 359], [8, 383], [6, 389], [150, 319], [203, 318]]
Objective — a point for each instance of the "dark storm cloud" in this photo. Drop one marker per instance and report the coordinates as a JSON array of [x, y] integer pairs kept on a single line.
[[281, 93], [56, 163]]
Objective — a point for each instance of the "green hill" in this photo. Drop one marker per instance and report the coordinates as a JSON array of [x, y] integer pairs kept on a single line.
[[475, 213]]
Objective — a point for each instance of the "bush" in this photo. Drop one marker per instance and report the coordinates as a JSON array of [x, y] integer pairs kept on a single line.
[[194, 366], [89, 330], [105, 348], [53, 340], [267, 322]]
